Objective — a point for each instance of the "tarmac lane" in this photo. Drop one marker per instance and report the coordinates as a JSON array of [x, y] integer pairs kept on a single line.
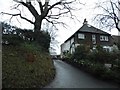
[[68, 76]]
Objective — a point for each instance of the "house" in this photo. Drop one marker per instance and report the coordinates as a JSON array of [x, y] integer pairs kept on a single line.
[[116, 43], [87, 35], [116, 39]]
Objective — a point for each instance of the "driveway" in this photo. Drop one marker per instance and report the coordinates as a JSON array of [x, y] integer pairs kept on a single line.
[[68, 76]]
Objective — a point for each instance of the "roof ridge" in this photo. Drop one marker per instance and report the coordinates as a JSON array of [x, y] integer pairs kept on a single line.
[[93, 29], [91, 26]]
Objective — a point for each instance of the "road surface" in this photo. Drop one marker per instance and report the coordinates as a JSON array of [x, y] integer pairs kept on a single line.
[[68, 76]]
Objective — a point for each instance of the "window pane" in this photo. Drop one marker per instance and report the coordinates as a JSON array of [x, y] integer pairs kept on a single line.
[[81, 36], [103, 38], [93, 37]]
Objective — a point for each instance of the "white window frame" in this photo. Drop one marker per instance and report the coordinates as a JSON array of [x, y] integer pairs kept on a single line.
[[81, 36], [104, 38], [94, 38]]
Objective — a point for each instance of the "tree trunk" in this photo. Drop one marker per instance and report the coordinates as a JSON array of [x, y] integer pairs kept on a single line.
[[118, 28], [37, 27]]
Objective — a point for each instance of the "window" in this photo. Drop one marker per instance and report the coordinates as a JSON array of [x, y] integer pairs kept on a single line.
[[103, 38], [81, 36], [94, 39]]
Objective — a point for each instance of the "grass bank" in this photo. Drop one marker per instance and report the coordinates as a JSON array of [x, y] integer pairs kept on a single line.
[[26, 66]]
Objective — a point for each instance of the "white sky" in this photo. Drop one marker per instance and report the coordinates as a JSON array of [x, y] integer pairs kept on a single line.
[[87, 12]]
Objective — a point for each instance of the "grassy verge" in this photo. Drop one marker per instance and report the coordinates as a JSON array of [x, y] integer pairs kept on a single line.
[[19, 72]]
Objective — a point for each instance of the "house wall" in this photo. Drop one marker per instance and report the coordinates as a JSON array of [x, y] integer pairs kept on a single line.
[[72, 45], [65, 47], [104, 43], [74, 41], [68, 46], [88, 39]]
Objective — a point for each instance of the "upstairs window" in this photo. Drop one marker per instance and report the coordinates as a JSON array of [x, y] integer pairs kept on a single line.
[[81, 36], [104, 38], [94, 39]]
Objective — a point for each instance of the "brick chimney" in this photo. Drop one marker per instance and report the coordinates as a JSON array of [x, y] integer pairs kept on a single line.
[[85, 21]]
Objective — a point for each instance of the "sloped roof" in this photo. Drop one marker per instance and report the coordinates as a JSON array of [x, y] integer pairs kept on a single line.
[[91, 29]]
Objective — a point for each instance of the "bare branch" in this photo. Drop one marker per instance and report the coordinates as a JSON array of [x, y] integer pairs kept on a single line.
[[18, 20], [109, 18], [15, 6], [58, 3], [40, 5], [57, 14], [30, 8], [63, 7], [19, 14], [10, 18], [51, 23], [46, 10], [118, 8], [54, 22]]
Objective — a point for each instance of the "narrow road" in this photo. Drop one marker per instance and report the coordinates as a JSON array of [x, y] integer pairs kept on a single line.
[[68, 76]]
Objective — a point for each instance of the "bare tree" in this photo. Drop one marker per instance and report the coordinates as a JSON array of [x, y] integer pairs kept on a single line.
[[49, 10], [109, 14]]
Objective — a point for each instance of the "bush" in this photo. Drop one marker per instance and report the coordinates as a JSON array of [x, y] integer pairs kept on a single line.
[[94, 62], [80, 53], [99, 56], [98, 69], [43, 39], [12, 39]]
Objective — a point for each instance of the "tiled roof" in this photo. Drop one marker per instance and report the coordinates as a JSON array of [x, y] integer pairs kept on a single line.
[[91, 29]]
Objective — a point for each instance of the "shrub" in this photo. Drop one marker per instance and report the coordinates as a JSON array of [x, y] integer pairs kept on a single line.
[[80, 53], [118, 44], [98, 69], [12, 39], [94, 62], [43, 39], [99, 56]]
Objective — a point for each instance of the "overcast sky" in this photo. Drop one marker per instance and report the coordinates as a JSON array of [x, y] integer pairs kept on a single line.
[[87, 12]]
